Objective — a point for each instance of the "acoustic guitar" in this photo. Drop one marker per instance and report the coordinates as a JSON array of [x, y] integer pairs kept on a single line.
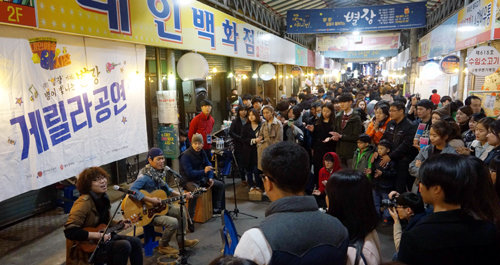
[[144, 212], [89, 246]]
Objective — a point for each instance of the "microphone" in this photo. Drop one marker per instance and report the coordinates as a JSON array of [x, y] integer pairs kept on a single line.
[[131, 192], [175, 173]]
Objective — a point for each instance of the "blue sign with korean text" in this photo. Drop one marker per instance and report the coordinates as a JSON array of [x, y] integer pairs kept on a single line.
[[365, 18]]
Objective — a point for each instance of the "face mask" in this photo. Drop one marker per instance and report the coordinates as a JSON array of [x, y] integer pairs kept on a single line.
[[318, 114]]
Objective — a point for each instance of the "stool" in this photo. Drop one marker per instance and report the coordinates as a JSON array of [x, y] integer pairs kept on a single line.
[[149, 235], [204, 208]]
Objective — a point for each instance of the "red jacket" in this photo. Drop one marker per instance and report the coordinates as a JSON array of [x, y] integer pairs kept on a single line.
[[324, 174], [435, 98], [203, 125]]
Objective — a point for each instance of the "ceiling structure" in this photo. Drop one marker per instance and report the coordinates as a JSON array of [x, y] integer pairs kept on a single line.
[[270, 15], [280, 7]]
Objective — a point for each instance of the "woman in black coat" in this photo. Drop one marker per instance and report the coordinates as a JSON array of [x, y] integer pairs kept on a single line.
[[235, 133], [320, 131], [248, 155]]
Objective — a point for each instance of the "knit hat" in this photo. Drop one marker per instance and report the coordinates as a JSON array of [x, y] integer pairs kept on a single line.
[[443, 111], [205, 102], [198, 138], [154, 152]]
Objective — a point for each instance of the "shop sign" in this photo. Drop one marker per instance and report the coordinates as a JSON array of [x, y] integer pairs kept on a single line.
[[450, 64], [483, 61], [375, 54], [296, 71], [474, 23], [18, 14], [66, 103], [165, 23], [362, 42], [300, 55], [319, 71], [364, 18], [443, 38], [424, 47]]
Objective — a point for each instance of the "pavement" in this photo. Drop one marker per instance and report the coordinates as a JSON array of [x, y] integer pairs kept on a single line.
[[49, 247]]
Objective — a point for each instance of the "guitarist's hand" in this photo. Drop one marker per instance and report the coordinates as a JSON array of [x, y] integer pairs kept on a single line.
[[126, 224], [153, 200], [188, 195]]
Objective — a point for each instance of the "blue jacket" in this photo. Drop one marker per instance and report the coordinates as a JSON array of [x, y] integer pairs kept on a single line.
[[149, 179], [193, 166]]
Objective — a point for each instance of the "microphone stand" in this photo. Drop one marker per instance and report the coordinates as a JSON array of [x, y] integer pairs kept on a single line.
[[101, 240], [182, 250]]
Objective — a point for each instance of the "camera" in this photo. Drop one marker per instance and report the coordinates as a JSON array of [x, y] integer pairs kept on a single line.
[[388, 203]]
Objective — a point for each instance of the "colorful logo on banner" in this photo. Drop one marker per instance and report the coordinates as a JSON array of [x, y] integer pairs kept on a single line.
[[474, 24], [367, 18], [483, 61], [47, 55], [450, 64]]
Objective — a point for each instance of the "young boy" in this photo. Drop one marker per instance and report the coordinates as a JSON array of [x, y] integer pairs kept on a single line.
[[383, 178], [331, 164], [362, 158]]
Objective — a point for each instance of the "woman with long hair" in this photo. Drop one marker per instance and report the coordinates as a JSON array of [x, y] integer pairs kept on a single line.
[[249, 134], [320, 132], [349, 198], [271, 132]]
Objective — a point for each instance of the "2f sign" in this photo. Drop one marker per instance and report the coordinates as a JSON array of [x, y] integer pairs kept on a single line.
[[14, 13], [118, 12]]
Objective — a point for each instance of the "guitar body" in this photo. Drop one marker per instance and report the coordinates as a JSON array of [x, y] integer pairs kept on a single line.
[[144, 212], [90, 245]]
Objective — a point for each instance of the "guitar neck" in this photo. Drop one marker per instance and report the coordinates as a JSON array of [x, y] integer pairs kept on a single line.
[[173, 199]]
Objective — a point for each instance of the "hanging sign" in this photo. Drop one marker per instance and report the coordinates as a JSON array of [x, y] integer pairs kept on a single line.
[[168, 141], [167, 107], [450, 64], [357, 18], [483, 61]]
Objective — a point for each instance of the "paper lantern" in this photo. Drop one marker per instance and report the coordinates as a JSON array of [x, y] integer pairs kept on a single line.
[[192, 66], [267, 71]]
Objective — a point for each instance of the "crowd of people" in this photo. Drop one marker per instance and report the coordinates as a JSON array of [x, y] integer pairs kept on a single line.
[[375, 157], [335, 164]]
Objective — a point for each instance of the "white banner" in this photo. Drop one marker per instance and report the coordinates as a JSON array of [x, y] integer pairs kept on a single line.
[[66, 103]]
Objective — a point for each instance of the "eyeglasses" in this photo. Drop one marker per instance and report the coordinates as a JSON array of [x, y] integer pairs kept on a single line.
[[99, 178]]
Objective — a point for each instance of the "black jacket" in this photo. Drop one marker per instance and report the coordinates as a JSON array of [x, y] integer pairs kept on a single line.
[[401, 136], [235, 133], [450, 237], [387, 180], [248, 152]]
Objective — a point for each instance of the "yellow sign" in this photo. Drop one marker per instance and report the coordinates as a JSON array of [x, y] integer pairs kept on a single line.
[[179, 24], [474, 23]]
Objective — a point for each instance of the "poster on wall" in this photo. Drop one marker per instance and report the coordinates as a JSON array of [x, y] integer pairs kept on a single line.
[[66, 103]]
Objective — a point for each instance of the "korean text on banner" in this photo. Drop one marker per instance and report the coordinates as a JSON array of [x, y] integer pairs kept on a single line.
[[66, 103], [474, 24], [362, 42], [165, 23], [366, 18]]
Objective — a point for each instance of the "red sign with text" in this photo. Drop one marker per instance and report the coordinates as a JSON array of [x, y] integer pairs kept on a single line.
[[17, 14]]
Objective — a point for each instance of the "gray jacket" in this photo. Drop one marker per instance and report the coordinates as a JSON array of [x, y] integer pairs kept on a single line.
[[424, 154]]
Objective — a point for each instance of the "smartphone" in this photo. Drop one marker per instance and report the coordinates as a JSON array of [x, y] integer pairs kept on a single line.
[[290, 122]]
